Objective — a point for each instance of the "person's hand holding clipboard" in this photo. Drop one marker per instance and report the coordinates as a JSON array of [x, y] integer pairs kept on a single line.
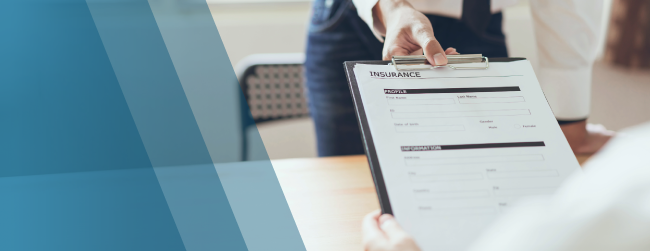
[[407, 32]]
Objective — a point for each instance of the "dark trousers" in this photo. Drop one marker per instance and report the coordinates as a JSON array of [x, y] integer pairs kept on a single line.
[[337, 34]]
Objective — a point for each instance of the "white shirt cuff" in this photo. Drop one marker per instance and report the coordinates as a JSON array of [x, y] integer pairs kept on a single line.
[[567, 91], [364, 9]]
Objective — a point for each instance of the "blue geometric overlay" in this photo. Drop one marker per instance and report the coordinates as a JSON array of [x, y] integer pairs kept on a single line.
[[117, 119]]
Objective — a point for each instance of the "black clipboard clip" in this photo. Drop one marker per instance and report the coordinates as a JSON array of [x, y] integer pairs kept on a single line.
[[420, 62]]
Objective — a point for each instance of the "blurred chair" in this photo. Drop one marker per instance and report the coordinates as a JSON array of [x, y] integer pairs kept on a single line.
[[273, 87]]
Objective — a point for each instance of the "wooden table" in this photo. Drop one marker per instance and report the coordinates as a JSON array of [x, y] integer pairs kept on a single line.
[[328, 198]]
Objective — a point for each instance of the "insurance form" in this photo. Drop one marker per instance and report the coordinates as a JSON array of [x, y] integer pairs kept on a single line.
[[458, 147]]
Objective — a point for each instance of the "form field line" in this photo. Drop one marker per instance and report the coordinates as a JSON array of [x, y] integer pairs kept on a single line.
[[438, 128], [443, 195], [426, 211], [486, 100], [446, 177], [475, 160], [460, 114], [523, 174], [437, 101]]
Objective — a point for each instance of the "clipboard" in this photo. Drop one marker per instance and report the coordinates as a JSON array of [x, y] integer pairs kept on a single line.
[[366, 137]]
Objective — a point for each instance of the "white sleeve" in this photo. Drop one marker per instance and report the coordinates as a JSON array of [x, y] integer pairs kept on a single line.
[[364, 9], [606, 207], [567, 38]]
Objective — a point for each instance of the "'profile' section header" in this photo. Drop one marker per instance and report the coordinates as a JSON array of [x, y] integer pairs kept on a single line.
[[453, 90]]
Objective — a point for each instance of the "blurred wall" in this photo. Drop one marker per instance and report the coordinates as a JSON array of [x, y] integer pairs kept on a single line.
[[262, 26]]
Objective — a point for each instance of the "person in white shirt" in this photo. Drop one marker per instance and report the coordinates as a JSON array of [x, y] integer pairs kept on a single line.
[[605, 206], [346, 30]]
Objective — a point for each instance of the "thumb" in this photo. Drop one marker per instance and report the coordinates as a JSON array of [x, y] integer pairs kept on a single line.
[[390, 226], [430, 46]]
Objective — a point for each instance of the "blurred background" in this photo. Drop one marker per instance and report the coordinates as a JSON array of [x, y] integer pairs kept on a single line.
[[621, 82]]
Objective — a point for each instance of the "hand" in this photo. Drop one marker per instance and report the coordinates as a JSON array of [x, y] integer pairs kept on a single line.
[[382, 233], [586, 138], [407, 32]]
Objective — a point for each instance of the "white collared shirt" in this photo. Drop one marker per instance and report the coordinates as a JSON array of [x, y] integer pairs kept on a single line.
[[604, 207], [567, 38]]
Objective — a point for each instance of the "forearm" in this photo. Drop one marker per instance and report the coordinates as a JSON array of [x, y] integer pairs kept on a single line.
[[381, 13], [567, 34]]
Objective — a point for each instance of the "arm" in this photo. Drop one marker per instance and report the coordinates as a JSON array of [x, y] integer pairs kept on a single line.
[[365, 10], [567, 39]]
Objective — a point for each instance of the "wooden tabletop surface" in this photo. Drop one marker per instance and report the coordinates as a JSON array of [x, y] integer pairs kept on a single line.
[[328, 198]]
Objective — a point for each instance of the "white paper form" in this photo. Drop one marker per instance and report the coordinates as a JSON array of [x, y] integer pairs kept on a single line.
[[458, 147]]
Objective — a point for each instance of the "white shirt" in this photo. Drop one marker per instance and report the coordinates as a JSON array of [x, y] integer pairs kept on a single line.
[[567, 39], [604, 207]]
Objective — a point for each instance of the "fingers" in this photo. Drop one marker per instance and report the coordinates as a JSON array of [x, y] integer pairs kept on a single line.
[[370, 227], [398, 51], [394, 50], [451, 51], [417, 52], [391, 228], [370, 223], [398, 239], [401, 52], [383, 233], [373, 236]]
